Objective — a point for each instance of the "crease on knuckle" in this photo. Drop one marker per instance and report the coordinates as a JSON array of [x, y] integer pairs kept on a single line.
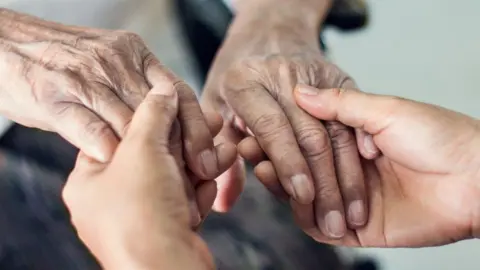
[[270, 126], [96, 129], [340, 135], [325, 189], [314, 142]]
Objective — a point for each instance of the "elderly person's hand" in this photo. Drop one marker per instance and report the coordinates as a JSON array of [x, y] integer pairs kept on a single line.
[[86, 83], [133, 213], [424, 188], [251, 83]]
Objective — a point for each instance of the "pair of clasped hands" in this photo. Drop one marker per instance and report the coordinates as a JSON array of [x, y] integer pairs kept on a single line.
[[422, 183], [358, 169]]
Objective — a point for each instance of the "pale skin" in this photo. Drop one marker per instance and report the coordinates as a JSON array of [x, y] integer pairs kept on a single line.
[[141, 209], [85, 84], [424, 199], [424, 188]]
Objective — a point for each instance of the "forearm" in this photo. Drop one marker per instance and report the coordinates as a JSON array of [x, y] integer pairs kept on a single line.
[[18, 27]]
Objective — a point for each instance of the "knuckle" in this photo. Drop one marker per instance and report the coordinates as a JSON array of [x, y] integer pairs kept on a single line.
[[269, 126], [326, 189], [239, 71], [314, 142], [127, 37], [340, 135], [160, 104], [97, 129]]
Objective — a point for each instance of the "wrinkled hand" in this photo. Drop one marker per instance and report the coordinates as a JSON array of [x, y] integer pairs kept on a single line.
[[133, 213], [253, 87], [424, 189], [86, 83]]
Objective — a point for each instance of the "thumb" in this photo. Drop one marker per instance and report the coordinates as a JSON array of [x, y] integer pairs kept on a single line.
[[154, 118], [353, 108], [88, 132]]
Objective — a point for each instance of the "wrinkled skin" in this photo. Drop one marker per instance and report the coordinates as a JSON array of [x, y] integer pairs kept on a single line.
[[251, 83], [134, 213], [424, 188], [86, 84]]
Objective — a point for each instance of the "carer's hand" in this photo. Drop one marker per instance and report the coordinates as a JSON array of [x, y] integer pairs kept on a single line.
[[86, 83], [424, 189], [133, 213]]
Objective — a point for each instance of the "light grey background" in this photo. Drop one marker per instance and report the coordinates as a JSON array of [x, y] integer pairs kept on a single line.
[[427, 50]]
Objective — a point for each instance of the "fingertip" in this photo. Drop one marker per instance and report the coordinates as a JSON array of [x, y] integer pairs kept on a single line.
[[226, 154], [314, 101], [366, 145], [104, 149], [214, 122], [250, 150], [230, 186], [357, 214]]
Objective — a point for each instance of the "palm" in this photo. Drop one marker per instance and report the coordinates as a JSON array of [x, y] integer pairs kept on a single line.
[[411, 208]]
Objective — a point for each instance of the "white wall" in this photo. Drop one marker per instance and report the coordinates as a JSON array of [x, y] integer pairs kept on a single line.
[[427, 50]]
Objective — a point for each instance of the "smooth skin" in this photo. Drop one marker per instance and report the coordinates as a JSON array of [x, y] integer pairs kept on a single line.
[[424, 188]]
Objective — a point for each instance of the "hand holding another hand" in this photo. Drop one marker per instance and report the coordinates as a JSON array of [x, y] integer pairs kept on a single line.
[[134, 212], [85, 84], [424, 188]]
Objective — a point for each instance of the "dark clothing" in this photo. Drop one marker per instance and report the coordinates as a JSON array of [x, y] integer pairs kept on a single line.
[[35, 229]]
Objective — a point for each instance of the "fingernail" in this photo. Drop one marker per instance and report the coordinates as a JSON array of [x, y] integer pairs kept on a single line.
[[208, 159], [101, 156], [307, 90], [166, 89], [369, 144], [194, 213], [302, 189], [356, 213], [335, 224]]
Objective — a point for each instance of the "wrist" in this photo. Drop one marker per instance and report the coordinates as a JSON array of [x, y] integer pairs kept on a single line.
[[18, 27], [176, 251], [279, 21]]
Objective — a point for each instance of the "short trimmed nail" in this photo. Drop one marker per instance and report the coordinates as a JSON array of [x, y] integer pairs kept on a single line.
[[356, 213], [302, 189], [335, 224], [208, 159], [369, 144], [307, 90]]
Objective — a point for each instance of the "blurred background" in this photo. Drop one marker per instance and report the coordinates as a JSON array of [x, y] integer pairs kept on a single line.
[[426, 50]]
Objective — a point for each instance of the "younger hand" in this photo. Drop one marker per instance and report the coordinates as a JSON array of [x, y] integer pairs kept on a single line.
[[133, 213], [424, 189]]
